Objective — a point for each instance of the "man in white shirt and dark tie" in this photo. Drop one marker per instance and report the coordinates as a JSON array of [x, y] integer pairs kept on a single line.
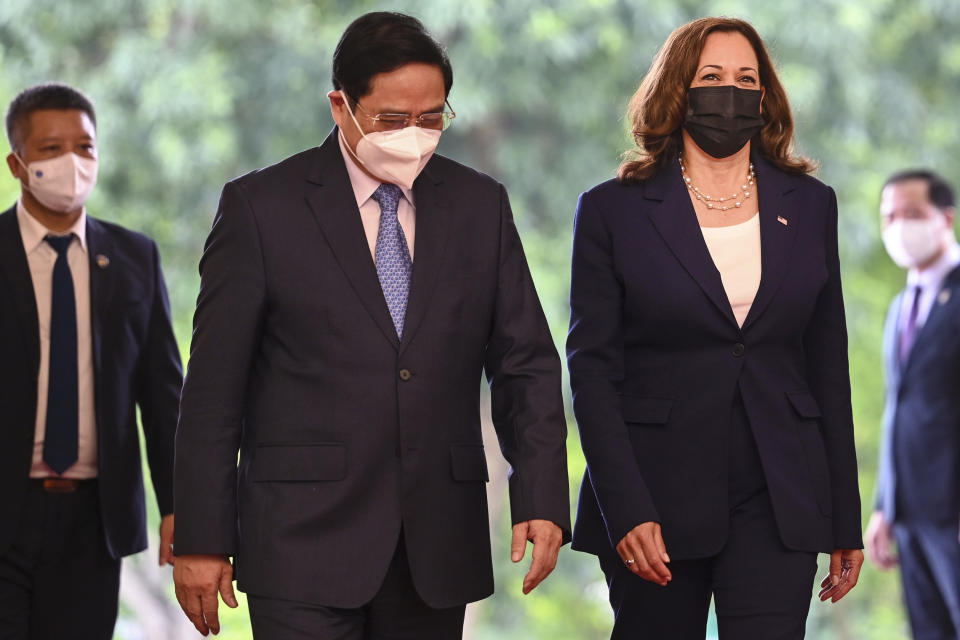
[[86, 340], [918, 488]]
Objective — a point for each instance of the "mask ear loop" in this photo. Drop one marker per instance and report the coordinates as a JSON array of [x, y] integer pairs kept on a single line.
[[346, 102], [24, 183], [353, 154]]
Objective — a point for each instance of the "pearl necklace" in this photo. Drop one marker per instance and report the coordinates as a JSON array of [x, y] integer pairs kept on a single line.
[[717, 203]]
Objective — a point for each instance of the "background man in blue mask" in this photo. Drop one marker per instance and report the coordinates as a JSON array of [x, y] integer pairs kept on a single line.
[[350, 298], [918, 489], [86, 340]]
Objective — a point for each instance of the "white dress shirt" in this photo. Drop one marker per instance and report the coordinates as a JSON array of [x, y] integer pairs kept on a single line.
[[930, 280], [736, 253], [41, 258], [363, 188]]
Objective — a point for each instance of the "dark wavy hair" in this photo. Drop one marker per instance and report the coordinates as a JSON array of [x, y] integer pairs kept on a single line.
[[659, 107]]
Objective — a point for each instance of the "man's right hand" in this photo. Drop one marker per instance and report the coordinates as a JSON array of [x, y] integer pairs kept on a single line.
[[198, 578], [643, 552], [879, 539]]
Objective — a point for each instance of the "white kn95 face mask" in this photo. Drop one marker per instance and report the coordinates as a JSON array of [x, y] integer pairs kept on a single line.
[[63, 183], [395, 156]]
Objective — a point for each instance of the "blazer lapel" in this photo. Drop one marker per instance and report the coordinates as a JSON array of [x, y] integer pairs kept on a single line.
[[950, 288], [891, 342], [15, 270], [777, 234], [676, 221], [432, 221], [100, 253], [333, 205]]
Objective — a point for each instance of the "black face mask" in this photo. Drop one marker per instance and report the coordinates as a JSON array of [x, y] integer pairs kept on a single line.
[[722, 119]]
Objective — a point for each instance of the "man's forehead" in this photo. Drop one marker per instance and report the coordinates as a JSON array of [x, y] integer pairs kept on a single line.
[[60, 120], [411, 83], [912, 189]]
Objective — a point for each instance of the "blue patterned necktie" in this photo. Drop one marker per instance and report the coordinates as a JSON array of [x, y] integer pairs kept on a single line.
[[60, 438], [392, 255]]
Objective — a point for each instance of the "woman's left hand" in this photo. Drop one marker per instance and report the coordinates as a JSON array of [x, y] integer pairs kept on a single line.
[[844, 571]]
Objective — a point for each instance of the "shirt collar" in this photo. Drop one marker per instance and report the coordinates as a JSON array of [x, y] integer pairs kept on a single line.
[[32, 231], [933, 276], [363, 184]]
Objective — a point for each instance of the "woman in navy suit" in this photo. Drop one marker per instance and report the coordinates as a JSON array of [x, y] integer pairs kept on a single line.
[[708, 357]]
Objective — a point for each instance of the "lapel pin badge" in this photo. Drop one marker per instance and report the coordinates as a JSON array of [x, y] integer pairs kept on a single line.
[[103, 261], [782, 220], [944, 296]]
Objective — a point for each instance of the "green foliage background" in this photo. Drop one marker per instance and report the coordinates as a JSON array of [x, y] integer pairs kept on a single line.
[[193, 93]]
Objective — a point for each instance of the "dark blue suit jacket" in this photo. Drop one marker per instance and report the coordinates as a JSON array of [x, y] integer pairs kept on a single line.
[[136, 363], [656, 356], [919, 479]]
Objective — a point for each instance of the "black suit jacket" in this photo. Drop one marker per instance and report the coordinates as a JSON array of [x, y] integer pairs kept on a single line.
[[345, 433], [136, 363], [919, 479], [656, 357]]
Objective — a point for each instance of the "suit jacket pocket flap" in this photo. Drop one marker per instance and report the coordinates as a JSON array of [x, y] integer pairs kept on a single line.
[[646, 410], [804, 403], [468, 463], [314, 462]]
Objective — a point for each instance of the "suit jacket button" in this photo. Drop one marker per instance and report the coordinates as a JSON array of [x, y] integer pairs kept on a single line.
[[405, 374], [738, 349]]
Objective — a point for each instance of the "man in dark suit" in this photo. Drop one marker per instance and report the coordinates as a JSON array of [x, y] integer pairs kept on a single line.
[[350, 297], [86, 339], [918, 488]]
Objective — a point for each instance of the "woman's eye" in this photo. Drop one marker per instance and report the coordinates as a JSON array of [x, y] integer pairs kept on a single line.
[[748, 79]]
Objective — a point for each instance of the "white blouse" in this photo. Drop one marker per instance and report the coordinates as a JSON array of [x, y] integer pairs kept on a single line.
[[736, 253]]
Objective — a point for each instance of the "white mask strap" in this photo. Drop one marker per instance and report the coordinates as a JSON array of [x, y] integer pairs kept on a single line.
[[346, 102]]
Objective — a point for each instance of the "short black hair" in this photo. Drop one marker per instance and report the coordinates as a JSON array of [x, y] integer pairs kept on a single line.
[[380, 42], [939, 191], [49, 95]]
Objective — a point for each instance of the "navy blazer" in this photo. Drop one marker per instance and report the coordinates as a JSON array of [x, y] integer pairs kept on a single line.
[[346, 434], [919, 476], [136, 362], [656, 356]]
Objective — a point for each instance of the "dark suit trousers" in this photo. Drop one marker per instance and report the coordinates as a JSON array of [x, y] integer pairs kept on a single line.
[[930, 570], [395, 613], [761, 588], [57, 580]]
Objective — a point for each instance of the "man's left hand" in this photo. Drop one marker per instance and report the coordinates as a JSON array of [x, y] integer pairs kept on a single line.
[[166, 540], [547, 539]]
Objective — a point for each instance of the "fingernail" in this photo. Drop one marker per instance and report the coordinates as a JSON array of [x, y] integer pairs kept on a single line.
[[835, 579], [515, 556]]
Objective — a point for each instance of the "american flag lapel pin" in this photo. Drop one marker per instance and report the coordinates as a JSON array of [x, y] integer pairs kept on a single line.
[[782, 220], [944, 296]]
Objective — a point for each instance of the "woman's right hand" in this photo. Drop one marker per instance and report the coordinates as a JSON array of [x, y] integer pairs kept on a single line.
[[643, 552]]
